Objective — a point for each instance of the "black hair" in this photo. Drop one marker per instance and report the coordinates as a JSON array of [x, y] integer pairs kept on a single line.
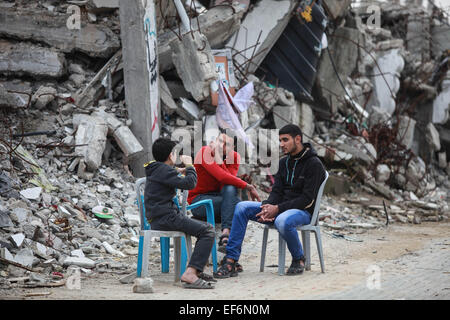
[[292, 130], [162, 148]]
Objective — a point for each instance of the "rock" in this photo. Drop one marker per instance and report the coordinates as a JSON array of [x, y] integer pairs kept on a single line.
[[383, 173], [31, 193], [5, 220], [17, 239], [77, 79], [188, 110], [23, 59], [432, 137], [25, 257], [92, 133], [195, 67], [80, 262], [442, 160], [128, 278], [20, 215], [112, 251], [143, 285], [406, 131], [43, 96], [10, 99]]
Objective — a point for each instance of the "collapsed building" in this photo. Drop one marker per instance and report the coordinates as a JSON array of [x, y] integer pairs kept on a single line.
[[368, 85]]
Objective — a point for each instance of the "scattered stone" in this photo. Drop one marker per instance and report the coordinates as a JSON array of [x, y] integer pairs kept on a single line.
[[143, 285], [80, 262], [31, 193]]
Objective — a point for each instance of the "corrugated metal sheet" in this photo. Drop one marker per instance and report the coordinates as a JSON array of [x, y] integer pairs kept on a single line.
[[294, 57]]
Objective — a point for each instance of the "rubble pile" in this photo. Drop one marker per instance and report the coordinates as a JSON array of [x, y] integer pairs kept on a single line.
[[377, 115]]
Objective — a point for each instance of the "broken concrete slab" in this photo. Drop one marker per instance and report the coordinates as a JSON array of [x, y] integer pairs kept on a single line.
[[195, 64], [417, 36], [441, 105], [432, 137], [80, 262], [31, 193], [124, 137], [440, 38], [24, 59], [17, 239], [167, 102], [188, 110], [11, 99], [91, 133], [345, 57], [275, 15], [5, 220], [336, 8], [25, 257], [386, 84], [52, 29], [405, 133]]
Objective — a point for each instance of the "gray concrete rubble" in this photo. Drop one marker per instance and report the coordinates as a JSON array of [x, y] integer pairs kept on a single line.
[[75, 111], [25, 59], [194, 63], [51, 29]]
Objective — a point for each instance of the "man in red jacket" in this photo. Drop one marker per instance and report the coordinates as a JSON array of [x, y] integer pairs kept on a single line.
[[217, 166]]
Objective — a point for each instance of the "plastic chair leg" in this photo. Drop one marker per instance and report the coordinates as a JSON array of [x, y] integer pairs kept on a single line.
[[145, 254], [307, 250], [319, 249], [139, 259], [184, 257], [210, 220], [263, 249], [281, 254], [164, 243], [177, 257]]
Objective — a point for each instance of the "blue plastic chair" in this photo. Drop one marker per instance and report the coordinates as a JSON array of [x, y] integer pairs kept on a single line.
[[182, 242]]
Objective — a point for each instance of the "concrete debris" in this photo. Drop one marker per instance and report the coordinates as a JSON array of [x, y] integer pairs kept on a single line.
[[52, 29], [24, 59], [143, 285], [382, 133], [195, 64]]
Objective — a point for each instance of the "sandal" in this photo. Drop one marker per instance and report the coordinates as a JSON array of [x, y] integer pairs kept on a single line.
[[206, 277], [239, 267], [223, 240], [198, 284], [296, 267], [225, 272]]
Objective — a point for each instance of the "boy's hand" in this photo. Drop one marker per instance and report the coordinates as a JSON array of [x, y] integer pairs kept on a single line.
[[181, 170], [187, 160]]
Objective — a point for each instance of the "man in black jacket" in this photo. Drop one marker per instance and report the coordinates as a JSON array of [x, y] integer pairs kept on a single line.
[[163, 214], [290, 204]]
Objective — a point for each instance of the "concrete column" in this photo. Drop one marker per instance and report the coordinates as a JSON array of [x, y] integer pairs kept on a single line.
[[138, 30]]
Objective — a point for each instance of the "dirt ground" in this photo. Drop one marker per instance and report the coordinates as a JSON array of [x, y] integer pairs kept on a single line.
[[346, 263]]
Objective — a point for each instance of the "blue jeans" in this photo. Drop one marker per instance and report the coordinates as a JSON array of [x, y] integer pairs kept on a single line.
[[224, 204], [286, 224]]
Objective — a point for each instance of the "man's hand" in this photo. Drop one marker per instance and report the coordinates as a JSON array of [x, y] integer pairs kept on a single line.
[[252, 192], [187, 160], [268, 213]]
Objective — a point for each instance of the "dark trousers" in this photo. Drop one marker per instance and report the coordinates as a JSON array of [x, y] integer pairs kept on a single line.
[[224, 203], [204, 232]]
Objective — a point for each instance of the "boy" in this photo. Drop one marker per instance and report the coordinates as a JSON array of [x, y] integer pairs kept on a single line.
[[163, 214]]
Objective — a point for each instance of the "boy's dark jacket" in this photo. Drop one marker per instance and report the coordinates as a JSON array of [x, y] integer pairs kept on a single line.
[[297, 181], [162, 180]]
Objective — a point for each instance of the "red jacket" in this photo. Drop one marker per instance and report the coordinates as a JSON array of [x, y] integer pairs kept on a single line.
[[212, 176]]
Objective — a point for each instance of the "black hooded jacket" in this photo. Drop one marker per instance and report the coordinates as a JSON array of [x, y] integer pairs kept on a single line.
[[162, 180], [297, 181]]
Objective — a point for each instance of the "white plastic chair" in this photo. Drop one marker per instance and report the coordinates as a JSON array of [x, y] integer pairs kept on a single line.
[[305, 229]]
